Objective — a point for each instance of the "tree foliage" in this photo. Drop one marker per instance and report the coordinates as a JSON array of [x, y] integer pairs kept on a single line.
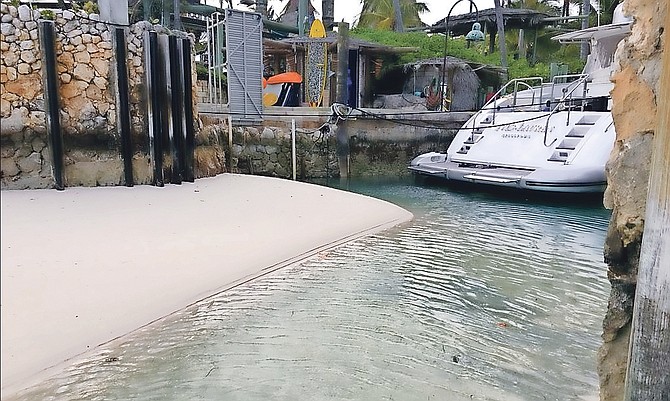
[[432, 46], [380, 14]]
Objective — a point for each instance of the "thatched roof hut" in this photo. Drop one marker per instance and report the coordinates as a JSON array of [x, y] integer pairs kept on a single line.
[[461, 81]]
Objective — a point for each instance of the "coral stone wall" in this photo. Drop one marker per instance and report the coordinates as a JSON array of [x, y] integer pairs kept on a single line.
[[377, 148], [86, 67], [24, 155], [635, 108]]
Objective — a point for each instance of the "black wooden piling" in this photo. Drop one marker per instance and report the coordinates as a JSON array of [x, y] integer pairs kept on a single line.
[[153, 72], [123, 102], [52, 103], [189, 142], [343, 96], [177, 146]]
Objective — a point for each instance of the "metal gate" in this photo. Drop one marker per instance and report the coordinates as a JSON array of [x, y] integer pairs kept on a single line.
[[216, 60], [244, 62]]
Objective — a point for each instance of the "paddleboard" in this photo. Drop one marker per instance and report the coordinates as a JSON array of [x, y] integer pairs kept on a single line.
[[317, 65]]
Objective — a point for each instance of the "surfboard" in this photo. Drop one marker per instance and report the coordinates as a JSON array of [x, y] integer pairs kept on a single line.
[[317, 65]]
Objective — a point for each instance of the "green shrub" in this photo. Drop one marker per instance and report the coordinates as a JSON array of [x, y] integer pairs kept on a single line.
[[91, 7], [48, 14], [432, 46]]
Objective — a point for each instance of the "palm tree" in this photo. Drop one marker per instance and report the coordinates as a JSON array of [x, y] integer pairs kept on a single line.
[[289, 15], [380, 14]]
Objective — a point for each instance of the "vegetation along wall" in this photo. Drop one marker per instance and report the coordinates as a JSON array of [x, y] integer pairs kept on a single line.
[[635, 116]]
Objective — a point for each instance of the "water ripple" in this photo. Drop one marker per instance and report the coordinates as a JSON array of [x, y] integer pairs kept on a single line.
[[477, 299]]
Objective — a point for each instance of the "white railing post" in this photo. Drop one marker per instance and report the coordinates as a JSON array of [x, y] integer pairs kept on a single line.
[[293, 156]]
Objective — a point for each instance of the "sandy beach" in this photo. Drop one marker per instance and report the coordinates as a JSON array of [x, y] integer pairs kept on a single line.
[[84, 266]]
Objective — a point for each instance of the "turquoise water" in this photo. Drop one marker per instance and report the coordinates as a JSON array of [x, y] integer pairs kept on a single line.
[[481, 297]]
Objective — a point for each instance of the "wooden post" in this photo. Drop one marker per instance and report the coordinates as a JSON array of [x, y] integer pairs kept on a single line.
[[648, 376], [262, 7], [123, 115], [293, 152], [343, 96], [176, 12], [302, 14], [327, 7], [230, 143], [398, 26], [586, 10], [501, 33], [521, 43], [52, 102]]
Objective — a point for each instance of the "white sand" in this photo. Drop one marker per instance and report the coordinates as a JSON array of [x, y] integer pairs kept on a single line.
[[83, 266]]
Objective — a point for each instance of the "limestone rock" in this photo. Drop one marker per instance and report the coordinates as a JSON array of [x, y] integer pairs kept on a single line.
[[67, 60], [84, 72], [76, 41], [65, 78], [630, 90], [72, 89], [28, 56], [25, 14], [31, 163], [100, 82], [101, 66], [68, 15], [24, 68], [73, 33], [93, 92], [10, 58], [5, 109], [82, 57], [11, 73], [6, 28], [103, 107], [27, 45], [8, 167], [24, 86]]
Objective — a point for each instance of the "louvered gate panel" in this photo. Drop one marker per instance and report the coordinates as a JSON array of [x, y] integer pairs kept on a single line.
[[244, 55]]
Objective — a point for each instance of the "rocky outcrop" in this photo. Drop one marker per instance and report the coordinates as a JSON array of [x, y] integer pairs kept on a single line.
[[636, 85]]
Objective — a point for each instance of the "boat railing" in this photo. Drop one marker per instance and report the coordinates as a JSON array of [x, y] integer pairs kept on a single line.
[[513, 84], [567, 100]]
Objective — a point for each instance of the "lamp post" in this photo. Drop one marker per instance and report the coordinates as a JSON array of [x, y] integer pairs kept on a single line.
[[474, 35]]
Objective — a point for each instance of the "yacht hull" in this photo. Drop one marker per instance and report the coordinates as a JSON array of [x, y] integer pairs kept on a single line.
[[567, 180]]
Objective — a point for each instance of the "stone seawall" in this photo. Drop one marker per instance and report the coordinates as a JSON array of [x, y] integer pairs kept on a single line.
[[87, 91], [378, 147]]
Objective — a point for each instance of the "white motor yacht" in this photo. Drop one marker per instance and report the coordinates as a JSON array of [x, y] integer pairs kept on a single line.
[[545, 136]]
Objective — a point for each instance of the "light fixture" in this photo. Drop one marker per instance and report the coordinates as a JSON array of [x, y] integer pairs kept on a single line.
[[476, 34]]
